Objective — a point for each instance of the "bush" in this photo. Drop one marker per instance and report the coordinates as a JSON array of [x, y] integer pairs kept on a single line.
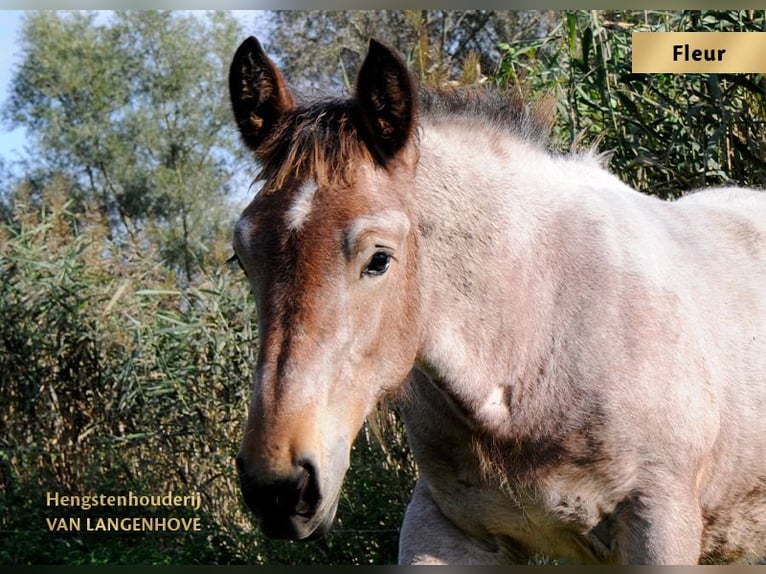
[[665, 133], [116, 380]]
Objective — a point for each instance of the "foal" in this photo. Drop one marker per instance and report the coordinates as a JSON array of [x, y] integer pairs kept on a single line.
[[585, 365]]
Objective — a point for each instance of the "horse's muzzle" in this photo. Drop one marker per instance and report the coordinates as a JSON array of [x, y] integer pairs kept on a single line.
[[286, 507]]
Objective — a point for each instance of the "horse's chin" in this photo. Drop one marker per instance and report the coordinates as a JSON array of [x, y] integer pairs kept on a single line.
[[301, 528], [324, 524]]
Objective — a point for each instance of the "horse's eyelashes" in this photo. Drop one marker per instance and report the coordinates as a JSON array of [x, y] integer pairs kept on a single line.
[[235, 259]]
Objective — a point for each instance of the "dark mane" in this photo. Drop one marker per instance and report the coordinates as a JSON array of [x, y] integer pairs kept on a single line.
[[505, 108], [317, 141], [321, 140]]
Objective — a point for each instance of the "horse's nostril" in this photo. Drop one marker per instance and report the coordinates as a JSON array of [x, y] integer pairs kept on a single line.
[[308, 489], [308, 470]]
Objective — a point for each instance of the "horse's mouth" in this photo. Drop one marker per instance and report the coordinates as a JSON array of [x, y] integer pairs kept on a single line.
[[298, 526], [288, 528]]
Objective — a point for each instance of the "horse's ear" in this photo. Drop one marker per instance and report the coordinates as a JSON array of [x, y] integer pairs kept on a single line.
[[258, 93], [385, 95]]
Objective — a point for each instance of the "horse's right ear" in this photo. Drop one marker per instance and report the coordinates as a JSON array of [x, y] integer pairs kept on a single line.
[[258, 93], [385, 94]]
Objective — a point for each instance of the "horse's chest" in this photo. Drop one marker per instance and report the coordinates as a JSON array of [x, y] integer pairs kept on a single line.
[[561, 515], [541, 497]]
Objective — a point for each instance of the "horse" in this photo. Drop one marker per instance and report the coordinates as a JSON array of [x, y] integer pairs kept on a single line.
[[580, 367]]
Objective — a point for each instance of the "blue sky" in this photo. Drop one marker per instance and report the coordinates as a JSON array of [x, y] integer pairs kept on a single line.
[[11, 142]]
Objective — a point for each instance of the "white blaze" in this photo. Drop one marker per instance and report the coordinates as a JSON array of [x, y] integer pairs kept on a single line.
[[300, 209]]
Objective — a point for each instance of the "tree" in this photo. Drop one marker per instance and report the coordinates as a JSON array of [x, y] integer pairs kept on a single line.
[[134, 111], [325, 48]]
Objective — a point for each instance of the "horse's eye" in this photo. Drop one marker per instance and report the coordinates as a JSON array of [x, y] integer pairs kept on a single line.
[[378, 264]]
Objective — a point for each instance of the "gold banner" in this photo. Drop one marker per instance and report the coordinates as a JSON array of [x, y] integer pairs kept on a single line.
[[696, 52]]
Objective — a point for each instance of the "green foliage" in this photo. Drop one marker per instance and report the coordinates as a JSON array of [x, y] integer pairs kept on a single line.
[[665, 133], [114, 379], [437, 43], [133, 111]]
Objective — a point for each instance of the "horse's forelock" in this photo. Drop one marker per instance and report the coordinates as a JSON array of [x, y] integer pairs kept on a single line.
[[318, 142]]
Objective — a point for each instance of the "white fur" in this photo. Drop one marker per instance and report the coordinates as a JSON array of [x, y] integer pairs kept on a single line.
[[300, 209], [549, 278]]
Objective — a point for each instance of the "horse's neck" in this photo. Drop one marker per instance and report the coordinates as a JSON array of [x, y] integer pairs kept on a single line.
[[494, 218]]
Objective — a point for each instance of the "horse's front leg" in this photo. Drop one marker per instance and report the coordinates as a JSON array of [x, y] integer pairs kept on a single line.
[[429, 537], [660, 528]]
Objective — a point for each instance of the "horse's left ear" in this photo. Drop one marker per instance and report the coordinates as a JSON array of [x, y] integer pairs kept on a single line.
[[385, 94]]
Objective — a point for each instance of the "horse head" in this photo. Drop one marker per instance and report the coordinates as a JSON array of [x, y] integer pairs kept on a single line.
[[330, 251]]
